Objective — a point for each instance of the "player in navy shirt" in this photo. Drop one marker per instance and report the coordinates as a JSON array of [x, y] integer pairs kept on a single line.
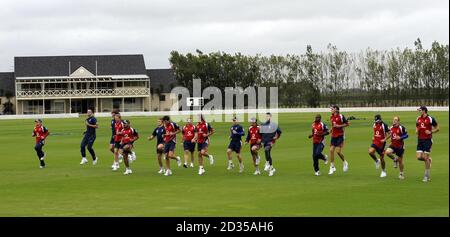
[[89, 138], [270, 132], [158, 133], [236, 134]]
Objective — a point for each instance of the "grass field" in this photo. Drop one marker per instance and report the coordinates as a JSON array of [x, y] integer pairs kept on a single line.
[[65, 188]]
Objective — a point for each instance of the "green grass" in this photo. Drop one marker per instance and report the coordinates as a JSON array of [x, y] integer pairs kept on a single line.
[[65, 188]]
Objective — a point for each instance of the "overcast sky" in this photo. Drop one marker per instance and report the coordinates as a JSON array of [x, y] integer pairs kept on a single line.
[[156, 27]]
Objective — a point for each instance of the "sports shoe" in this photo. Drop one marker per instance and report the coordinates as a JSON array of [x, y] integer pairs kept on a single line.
[[400, 176], [332, 170], [272, 171], [83, 161], [127, 172], [211, 160], [185, 165], [116, 167], [161, 171], [230, 166], [426, 179], [383, 174], [257, 172], [325, 162], [377, 164], [168, 173], [267, 166], [42, 166], [317, 173], [241, 167], [201, 171], [345, 168], [191, 165], [94, 162], [258, 160], [178, 161]]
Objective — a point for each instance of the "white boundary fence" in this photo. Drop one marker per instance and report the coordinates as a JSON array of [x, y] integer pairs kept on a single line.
[[229, 112], [41, 116]]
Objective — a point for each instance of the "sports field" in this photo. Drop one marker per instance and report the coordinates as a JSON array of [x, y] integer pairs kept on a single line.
[[64, 188]]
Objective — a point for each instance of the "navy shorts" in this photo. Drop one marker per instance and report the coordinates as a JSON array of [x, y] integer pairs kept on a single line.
[[424, 145], [122, 145], [159, 151], [170, 146], [398, 151], [317, 149], [111, 141], [189, 146], [379, 150], [337, 141], [201, 146], [117, 145], [235, 146]]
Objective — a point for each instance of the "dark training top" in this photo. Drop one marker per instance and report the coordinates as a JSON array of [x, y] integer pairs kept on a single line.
[[159, 134], [268, 131], [239, 133], [90, 131]]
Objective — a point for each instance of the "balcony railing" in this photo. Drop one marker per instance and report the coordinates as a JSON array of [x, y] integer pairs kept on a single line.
[[83, 93]]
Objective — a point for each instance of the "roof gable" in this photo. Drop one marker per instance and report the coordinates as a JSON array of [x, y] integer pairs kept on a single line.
[[81, 72]]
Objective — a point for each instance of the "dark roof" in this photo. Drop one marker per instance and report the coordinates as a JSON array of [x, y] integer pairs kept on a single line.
[[59, 65], [7, 83], [162, 79]]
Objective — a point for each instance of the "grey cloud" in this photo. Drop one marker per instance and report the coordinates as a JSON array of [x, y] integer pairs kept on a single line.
[[154, 28]]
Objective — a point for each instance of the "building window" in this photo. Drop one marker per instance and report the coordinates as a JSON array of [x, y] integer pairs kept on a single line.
[[130, 100], [162, 98], [116, 103]]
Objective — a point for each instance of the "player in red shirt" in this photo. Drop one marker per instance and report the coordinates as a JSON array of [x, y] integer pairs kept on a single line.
[[319, 131], [397, 135], [338, 122], [40, 133], [254, 139], [129, 136], [188, 132], [118, 126], [204, 131], [425, 127], [380, 134], [170, 140]]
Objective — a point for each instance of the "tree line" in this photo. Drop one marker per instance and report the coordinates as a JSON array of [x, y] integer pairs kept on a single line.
[[397, 77]]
